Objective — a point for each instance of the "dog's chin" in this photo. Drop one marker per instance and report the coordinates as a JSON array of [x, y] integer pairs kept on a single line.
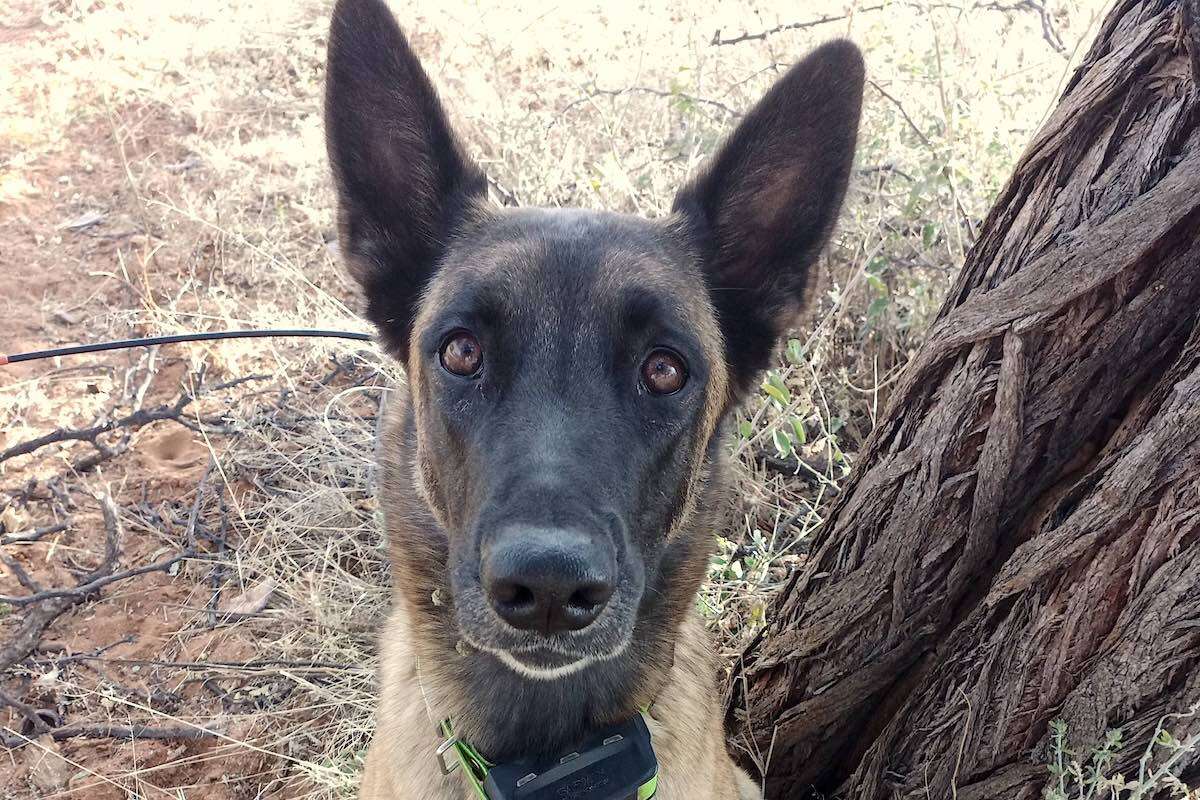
[[543, 665]]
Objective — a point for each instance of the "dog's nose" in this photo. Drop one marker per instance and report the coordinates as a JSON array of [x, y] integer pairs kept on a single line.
[[548, 579]]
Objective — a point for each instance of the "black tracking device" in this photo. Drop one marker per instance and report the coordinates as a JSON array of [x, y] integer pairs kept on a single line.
[[615, 763]]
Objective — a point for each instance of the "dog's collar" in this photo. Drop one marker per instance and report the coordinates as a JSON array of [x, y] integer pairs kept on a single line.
[[454, 753]]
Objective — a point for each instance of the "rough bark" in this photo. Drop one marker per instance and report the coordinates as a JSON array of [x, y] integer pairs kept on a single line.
[[1020, 541]]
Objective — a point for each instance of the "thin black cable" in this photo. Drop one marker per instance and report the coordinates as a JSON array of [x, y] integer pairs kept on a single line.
[[150, 341]]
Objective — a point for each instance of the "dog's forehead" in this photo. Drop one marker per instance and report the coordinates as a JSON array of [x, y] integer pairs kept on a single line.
[[571, 253]]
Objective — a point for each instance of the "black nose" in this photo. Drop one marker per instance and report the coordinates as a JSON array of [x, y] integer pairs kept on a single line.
[[548, 579]]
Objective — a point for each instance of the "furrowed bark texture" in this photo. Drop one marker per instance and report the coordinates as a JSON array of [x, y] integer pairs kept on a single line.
[[1020, 541]]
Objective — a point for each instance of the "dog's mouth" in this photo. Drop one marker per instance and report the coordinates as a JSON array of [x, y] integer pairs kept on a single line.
[[541, 663], [542, 658]]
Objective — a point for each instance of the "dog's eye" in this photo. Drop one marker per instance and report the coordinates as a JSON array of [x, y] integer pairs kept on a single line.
[[461, 354], [664, 371]]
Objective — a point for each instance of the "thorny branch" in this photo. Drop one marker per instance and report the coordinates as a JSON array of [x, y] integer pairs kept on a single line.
[[962, 211], [900, 107]]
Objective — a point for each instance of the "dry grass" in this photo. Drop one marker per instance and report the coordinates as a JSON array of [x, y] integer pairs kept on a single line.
[[194, 130]]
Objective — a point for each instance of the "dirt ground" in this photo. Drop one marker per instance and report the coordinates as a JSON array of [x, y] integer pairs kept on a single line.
[[162, 170]]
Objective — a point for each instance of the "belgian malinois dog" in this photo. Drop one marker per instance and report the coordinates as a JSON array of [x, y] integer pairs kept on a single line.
[[552, 474]]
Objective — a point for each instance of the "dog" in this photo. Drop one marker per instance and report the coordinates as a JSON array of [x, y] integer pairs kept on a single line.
[[553, 472]]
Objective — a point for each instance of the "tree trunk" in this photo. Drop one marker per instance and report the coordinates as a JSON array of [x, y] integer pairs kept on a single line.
[[1020, 541]]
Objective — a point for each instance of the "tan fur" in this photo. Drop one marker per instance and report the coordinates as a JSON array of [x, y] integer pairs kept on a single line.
[[685, 724]]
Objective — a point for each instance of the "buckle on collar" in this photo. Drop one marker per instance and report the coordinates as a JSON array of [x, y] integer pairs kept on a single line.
[[447, 755]]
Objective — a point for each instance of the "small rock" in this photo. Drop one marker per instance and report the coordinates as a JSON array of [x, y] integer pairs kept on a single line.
[[49, 772]]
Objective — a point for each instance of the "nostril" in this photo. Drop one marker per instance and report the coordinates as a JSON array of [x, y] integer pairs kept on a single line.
[[522, 597], [591, 597], [512, 595]]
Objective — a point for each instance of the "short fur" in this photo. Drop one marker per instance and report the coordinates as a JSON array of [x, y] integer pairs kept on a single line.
[[557, 431]]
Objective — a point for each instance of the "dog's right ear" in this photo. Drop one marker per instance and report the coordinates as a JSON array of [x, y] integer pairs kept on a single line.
[[403, 182]]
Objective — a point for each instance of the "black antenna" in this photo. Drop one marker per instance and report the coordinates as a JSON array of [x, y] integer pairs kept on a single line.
[[150, 341]]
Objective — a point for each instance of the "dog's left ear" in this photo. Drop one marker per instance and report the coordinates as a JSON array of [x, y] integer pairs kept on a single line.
[[404, 183], [766, 204]]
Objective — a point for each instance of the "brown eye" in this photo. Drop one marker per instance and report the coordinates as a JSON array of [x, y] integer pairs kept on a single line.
[[461, 354], [663, 372]]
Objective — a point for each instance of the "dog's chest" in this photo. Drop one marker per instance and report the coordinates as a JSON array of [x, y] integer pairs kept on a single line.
[[684, 724]]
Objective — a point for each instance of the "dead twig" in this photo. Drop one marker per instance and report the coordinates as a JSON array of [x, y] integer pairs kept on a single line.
[[84, 590], [28, 537], [962, 211], [36, 723], [596, 91], [508, 197], [900, 107], [809, 470], [1049, 32], [19, 571], [194, 514], [27, 635], [90, 730], [717, 41], [258, 665], [71, 658], [48, 608], [102, 575]]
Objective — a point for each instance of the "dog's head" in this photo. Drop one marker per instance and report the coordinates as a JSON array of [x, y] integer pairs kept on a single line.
[[568, 370]]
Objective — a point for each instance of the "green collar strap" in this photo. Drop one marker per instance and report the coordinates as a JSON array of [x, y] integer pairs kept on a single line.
[[454, 753]]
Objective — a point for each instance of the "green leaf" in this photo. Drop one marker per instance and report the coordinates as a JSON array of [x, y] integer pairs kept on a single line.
[[877, 284], [876, 265], [745, 429], [783, 442], [794, 351], [776, 389], [929, 234], [775, 393], [798, 431], [877, 307]]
